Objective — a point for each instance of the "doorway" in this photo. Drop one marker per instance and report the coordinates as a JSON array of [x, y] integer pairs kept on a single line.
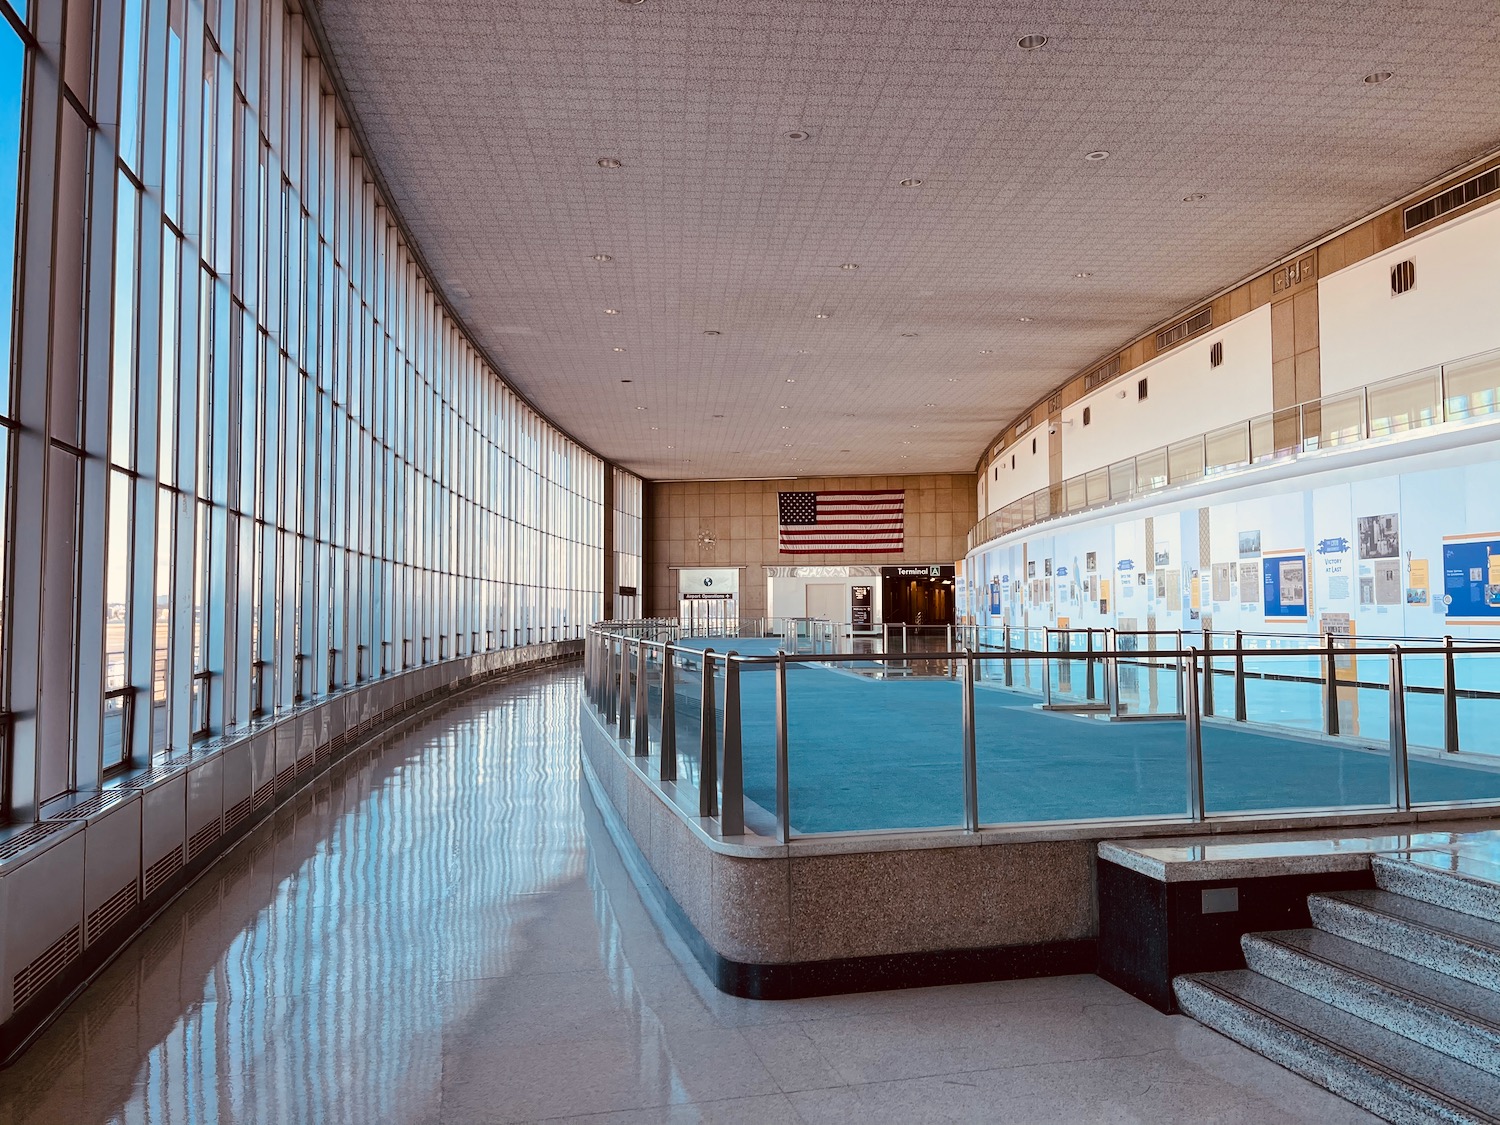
[[918, 596]]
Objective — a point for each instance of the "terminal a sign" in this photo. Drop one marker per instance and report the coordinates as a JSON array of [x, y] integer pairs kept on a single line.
[[916, 571]]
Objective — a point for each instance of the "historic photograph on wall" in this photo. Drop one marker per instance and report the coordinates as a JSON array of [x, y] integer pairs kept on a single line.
[[1379, 537]]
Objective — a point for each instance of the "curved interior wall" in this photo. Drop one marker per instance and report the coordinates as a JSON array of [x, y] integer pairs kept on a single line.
[[1381, 533], [1336, 325], [250, 459]]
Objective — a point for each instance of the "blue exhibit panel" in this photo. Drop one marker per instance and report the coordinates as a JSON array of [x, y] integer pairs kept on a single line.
[[1466, 579], [1285, 579]]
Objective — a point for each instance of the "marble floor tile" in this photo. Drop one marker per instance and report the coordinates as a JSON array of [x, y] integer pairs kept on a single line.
[[445, 933]]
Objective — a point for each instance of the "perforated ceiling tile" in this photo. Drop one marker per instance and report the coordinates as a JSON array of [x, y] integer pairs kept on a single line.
[[486, 119]]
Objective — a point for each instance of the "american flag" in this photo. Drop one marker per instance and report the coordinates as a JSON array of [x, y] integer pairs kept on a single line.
[[833, 523]]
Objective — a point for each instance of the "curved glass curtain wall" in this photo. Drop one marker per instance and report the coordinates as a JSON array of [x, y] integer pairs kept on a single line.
[[248, 458]]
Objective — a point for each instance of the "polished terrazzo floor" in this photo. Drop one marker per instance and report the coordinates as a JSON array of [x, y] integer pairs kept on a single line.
[[446, 934]]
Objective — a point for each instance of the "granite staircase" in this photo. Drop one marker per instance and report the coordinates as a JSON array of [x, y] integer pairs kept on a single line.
[[1392, 1000]]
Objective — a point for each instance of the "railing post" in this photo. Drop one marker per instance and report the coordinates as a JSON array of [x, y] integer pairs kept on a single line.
[[623, 729], [1400, 776], [1330, 692], [642, 707], [1208, 674], [708, 753], [783, 772], [611, 682], [1046, 673], [1194, 724], [1089, 668], [668, 764], [1181, 697], [1239, 676], [1450, 699], [1009, 663], [1112, 683], [732, 808], [971, 757]]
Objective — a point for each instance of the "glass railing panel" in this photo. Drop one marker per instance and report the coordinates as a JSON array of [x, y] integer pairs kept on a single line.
[[1473, 773], [1122, 480], [1472, 387], [1335, 420], [1147, 680], [1185, 461], [1076, 675], [1409, 403], [1284, 682], [687, 698], [1228, 448], [1075, 498], [654, 657], [1151, 469], [1034, 767], [1096, 487], [868, 753]]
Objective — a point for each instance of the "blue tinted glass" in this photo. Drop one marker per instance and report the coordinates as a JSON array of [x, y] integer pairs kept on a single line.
[[12, 73]]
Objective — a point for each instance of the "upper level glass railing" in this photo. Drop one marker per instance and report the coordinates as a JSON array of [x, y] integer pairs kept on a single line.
[[1464, 391], [1035, 726]]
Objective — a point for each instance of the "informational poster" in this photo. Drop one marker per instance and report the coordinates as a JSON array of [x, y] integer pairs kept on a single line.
[[1417, 582], [1169, 586], [1388, 582], [1379, 537], [1249, 544], [1471, 577], [1091, 560], [1333, 557], [1249, 583], [1223, 575], [1285, 584], [862, 606]]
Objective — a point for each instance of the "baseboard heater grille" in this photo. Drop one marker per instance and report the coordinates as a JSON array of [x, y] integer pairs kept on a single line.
[[35, 976], [115, 907]]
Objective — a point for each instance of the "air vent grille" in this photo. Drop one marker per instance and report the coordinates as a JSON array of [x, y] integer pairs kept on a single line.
[[1403, 277], [1216, 354], [1101, 374], [236, 813], [204, 838], [115, 907], [1200, 321], [35, 976], [36, 833], [162, 870], [264, 794], [1460, 195]]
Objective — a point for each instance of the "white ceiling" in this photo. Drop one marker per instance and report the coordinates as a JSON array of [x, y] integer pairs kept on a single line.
[[486, 118]]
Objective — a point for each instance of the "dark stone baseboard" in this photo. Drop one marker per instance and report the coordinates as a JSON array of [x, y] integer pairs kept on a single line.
[[795, 980]]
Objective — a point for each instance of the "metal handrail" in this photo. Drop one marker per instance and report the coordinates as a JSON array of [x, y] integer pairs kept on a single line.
[[624, 703]]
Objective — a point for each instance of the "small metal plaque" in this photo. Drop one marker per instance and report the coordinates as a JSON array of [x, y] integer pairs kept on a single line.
[[1221, 900]]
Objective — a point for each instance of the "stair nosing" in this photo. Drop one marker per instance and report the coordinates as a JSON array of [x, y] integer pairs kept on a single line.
[[1379, 1068], [1435, 929], [1420, 999]]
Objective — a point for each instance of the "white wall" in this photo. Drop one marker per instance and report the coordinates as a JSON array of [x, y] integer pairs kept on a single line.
[[1186, 397], [1454, 311], [1435, 495], [1031, 471]]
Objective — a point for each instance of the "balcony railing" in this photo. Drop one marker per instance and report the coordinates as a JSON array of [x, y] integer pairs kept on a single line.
[[1464, 391]]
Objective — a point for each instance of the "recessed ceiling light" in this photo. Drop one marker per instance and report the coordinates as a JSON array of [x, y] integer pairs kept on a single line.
[[656, 427], [791, 380], [908, 335], [844, 451], [627, 380], [603, 258], [986, 351], [848, 415], [821, 316], [785, 408], [906, 443], [802, 351], [640, 408], [671, 447], [611, 312], [1377, 78], [1194, 197], [915, 425], [1031, 42], [952, 380], [712, 332], [797, 135], [787, 445], [632, 1], [1083, 273], [929, 404], [786, 427], [718, 415], [1026, 319], [849, 266], [913, 182], [619, 349], [607, 162], [1097, 155]]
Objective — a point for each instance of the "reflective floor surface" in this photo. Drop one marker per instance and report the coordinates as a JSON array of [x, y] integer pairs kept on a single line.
[[446, 934]]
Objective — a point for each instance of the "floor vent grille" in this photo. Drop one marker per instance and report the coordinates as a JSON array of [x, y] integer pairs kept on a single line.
[[115, 907], [1459, 195], [1200, 321], [35, 976], [162, 870]]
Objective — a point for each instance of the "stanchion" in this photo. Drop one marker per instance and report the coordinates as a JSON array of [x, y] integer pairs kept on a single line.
[[732, 807], [1239, 676], [642, 716], [1450, 699], [783, 773], [1194, 723], [1400, 772], [971, 757], [708, 753], [668, 764], [1330, 691]]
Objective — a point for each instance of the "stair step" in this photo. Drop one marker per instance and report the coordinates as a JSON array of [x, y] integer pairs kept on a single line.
[[1459, 1018], [1376, 1069], [1457, 944], [1463, 883]]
